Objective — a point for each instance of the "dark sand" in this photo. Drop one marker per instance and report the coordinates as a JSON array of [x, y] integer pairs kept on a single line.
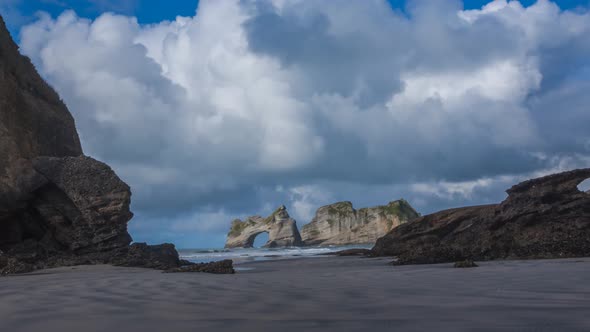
[[312, 294]]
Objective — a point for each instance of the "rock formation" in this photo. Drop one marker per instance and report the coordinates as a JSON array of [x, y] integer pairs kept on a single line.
[[220, 267], [57, 206], [466, 264], [546, 217], [281, 228], [341, 224]]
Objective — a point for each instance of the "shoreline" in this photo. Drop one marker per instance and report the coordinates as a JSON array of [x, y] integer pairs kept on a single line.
[[241, 255], [302, 294]]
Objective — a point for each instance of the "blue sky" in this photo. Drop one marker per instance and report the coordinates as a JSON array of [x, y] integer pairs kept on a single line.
[[252, 104], [153, 11]]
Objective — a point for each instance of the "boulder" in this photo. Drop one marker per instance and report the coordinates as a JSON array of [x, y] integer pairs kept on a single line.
[[546, 217], [341, 224], [78, 206], [281, 228], [160, 257]]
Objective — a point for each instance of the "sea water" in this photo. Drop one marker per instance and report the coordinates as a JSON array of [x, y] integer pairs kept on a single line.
[[241, 255]]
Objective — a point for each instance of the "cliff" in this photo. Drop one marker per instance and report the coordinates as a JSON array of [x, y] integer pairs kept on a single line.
[[340, 223], [546, 217], [57, 206], [281, 228]]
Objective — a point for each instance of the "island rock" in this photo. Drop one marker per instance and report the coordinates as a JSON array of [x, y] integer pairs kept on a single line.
[[547, 217], [281, 228], [341, 224]]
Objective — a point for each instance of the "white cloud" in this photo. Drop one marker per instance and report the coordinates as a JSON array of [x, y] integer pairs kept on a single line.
[[451, 190], [305, 199], [200, 112], [201, 92], [468, 190]]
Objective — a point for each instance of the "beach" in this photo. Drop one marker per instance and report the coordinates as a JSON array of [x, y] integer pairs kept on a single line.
[[305, 294]]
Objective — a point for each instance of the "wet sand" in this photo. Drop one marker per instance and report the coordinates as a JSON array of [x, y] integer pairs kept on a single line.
[[308, 294]]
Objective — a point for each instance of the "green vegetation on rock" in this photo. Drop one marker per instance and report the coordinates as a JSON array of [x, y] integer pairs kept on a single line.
[[237, 227], [270, 218], [314, 232], [341, 223], [341, 209], [401, 209]]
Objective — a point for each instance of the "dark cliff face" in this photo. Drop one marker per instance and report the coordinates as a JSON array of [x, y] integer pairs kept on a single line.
[[57, 206], [34, 121], [546, 217]]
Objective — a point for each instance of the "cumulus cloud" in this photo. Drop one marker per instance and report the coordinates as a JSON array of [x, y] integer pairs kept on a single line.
[[304, 200], [491, 189], [205, 116]]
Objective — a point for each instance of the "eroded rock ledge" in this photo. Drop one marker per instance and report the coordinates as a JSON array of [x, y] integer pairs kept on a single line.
[[281, 228], [71, 211], [341, 224], [547, 217]]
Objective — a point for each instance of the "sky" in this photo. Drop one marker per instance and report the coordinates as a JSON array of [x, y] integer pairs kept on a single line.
[[220, 109]]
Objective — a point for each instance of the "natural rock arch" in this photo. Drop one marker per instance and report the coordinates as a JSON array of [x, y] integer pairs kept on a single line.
[[281, 228]]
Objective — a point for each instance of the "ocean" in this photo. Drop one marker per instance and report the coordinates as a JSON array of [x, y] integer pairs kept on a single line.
[[242, 255]]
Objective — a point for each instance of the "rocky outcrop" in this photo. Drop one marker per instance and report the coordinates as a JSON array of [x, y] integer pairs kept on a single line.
[[341, 224], [57, 206], [33, 119], [11, 265], [466, 264], [281, 228], [160, 257], [546, 217], [222, 267]]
